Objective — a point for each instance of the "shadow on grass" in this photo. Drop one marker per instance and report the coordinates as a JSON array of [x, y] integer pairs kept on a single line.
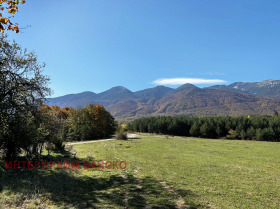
[[63, 188], [133, 138]]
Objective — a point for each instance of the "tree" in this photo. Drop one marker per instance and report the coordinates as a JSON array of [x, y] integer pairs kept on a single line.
[[104, 123], [91, 122], [232, 134], [243, 134], [195, 129], [205, 130], [11, 6], [259, 134], [52, 124], [122, 128], [268, 134], [23, 88]]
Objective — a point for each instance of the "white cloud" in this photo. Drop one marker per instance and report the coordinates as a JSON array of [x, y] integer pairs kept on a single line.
[[179, 81]]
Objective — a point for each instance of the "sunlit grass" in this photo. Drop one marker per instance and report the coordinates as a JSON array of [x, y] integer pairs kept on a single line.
[[160, 171], [218, 173]]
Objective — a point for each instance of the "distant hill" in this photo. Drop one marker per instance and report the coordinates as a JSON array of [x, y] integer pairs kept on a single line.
[[263, 88], [108, 97], [225, 88], [240, 98], [153, 93], [115, 94], [200, 102], [73, 100], [184, 87]]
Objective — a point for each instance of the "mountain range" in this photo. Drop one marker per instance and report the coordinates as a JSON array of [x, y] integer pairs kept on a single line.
[[240, 98]]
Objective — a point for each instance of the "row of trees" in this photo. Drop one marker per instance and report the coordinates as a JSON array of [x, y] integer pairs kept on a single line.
[[87, 123], [263, 128], [51, 126], [26, 125]]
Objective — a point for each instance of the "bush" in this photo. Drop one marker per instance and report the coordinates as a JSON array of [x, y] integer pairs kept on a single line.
[[122, 136], [232, 134]]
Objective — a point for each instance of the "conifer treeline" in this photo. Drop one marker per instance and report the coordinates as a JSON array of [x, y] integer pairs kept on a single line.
[[262, 128]]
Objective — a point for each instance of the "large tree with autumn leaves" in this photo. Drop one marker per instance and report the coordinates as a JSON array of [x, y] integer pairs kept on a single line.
[[90, 122]]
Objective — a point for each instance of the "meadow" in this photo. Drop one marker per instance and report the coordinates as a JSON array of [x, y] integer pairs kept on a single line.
[[161, 172]]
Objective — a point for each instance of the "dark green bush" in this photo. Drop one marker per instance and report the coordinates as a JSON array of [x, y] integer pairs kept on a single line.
[[122, 136]]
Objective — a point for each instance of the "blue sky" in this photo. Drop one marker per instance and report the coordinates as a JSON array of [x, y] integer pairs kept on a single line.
[[99, 44]]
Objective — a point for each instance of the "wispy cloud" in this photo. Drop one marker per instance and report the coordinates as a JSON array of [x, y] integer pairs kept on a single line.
[[179, 81]]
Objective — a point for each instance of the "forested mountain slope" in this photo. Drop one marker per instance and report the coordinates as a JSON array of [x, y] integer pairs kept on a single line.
[[250, 98]]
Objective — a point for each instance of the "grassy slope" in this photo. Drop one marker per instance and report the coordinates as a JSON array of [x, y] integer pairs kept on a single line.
[[206, 173]]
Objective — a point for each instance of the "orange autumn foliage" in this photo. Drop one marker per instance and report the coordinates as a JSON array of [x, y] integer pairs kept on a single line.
[[11, 7], [62, 113]]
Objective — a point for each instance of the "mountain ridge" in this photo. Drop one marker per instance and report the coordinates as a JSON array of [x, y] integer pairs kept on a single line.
[[238, 98]]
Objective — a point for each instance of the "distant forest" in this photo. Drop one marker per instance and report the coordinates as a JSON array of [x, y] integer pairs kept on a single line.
[[261, 128]]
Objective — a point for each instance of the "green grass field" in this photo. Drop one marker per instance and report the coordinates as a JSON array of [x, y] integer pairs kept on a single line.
[[161, 172]]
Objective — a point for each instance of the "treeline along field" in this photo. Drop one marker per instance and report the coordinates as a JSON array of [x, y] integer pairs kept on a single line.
[[51, 126], [261, 128]]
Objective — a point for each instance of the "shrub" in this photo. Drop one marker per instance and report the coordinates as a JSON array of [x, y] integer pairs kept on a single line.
[[122, 136], [232, 134]]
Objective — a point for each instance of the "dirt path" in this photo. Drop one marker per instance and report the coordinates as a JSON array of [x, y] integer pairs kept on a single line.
[[85, 142], [102, 140]]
